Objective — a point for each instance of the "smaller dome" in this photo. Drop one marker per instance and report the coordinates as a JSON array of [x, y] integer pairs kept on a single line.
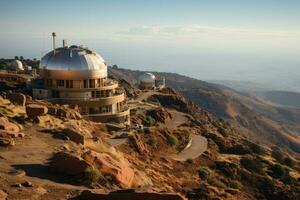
[[147, 78], [17, 65]]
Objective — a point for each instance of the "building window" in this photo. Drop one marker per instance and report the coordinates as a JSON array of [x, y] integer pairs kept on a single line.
[[85, 84], [91, 83], [60, 83], [69, 83], [93, 94]]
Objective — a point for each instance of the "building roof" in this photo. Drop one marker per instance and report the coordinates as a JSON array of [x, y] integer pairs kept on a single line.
[[147, 78], [73, 58]]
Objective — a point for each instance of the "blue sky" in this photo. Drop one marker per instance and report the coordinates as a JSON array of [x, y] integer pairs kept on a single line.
[[193, 37]]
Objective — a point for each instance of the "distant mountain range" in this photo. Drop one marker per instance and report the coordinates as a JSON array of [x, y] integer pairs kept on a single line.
[[257, 118]]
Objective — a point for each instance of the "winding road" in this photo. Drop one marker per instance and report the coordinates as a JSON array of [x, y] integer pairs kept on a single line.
[[197, 144]]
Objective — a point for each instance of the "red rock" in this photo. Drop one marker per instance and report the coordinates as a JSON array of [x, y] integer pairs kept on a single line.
[[16, 98], [35, 110], [122, 174], [131, 195], [68, 163], [139, 144], [5, 124], [74, 135], [68, 113], [3, 195], [11, 134], [6, 142]]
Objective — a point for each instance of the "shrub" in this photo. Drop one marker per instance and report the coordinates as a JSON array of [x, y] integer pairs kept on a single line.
[[92, 175], [216, 183], [152, 141], [276, 154], [146, 130], [149, 120], [189, 160], [204, 173], [257, 149], [235, 185], [253, 165], [289, 162], [278, 171], [172, 140], [222, 131]]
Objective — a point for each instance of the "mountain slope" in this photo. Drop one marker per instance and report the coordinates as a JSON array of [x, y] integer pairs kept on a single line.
[[259, 119]]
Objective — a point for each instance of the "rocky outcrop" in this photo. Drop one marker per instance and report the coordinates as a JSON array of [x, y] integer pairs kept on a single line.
[[3, 195], [160, 115], [16, 98], [35, 110], [76, 136], [68, 163], [6, 141], [138, 144], [11, 134], [68, 113], [5, 124], [121, 173], [130, 195]]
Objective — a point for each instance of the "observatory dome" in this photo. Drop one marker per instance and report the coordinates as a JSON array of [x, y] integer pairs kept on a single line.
[[73, 58], [17, 65], [147, 78]]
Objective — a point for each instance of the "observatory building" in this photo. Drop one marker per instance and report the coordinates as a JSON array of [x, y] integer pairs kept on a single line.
[[149, 81], [78, 76], [16, 65]]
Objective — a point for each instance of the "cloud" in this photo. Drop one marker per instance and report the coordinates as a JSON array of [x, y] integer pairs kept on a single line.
[[202, 30]]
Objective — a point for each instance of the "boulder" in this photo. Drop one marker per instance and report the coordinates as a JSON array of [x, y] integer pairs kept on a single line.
[[76, 135], [11, 134], [35, 110], [3, 195], [160, 115], [17, 98], [52, 110], [4, 141], [68, 163], [5, 124], [121, 173], [68, 113], [130, 195]]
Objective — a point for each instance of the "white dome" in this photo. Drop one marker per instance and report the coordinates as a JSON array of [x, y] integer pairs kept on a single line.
[[73, 58], [147, 78], [17, 65]]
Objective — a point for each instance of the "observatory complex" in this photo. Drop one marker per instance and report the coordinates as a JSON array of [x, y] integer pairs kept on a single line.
[[78, 76]]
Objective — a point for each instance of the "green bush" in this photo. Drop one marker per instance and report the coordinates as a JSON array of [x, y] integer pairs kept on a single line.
[[152, 141], [276, 154], [222, 131], [172, 140], [253, 165], [149, 120], [190, 161], [289, 162], [92, 175], [204, 173], [146, 130], [257, 149], [278, 171], [216, 183], [235, 185]]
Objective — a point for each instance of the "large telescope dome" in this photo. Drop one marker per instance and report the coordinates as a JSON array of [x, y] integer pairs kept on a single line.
[[73, 58], [147, 78]]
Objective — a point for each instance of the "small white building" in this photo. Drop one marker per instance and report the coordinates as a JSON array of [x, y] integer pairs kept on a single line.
[[16, 65]]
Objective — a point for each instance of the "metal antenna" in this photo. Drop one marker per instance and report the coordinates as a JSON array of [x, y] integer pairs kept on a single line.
[[53, 40]]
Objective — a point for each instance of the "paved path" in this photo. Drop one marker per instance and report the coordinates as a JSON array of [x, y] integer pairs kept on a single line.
[[196, 147]]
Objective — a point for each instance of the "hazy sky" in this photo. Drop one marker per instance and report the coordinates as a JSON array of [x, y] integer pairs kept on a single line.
[[212, 39]]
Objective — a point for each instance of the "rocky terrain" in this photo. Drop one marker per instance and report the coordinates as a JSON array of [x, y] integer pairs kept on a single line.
[[177, 151], [259, 120]]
